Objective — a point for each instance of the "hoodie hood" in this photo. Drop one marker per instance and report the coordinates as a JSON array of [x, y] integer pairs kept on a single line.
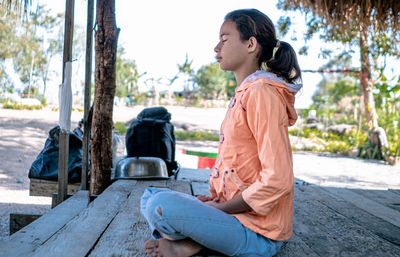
[[262, 74], [287, 91]]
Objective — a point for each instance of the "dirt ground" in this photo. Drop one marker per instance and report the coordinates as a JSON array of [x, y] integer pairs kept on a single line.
[[23, 133]]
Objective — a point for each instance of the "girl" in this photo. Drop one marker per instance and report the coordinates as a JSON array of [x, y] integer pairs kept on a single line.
[[250, 209]]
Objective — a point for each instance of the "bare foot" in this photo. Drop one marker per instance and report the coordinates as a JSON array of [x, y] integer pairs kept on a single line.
[[167, 248]]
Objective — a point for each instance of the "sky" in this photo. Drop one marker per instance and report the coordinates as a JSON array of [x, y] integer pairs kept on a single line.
[[158, 34]]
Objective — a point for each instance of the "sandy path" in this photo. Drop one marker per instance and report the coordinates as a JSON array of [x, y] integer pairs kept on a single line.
[[23, 133]]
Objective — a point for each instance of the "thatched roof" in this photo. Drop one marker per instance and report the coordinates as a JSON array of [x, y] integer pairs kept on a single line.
[[381, 14]]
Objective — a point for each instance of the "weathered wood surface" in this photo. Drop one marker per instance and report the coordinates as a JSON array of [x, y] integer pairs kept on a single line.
[[80, 234], [372, 223], [385, 197], [200, 188], [327, 221], [129, 230], [40, 187], [296, 247], [30, 237], [375, 208], [330, 233]]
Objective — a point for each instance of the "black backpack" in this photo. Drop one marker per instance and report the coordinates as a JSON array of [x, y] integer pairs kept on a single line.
[[152, 135], [45, 165]]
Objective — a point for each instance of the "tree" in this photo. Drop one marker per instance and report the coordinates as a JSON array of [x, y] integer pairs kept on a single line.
[[28, 54], [126, 75], [187, 71], [7, 28], [106, 38], [212, 81], [371, 25]]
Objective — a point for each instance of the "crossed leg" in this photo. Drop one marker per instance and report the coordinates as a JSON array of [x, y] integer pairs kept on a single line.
[[167, 247]]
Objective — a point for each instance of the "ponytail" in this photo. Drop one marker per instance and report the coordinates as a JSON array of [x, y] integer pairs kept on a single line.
[[284, 62], [278, 56]]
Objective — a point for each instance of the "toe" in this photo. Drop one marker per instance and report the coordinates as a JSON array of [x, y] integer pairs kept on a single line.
[[150, 244]]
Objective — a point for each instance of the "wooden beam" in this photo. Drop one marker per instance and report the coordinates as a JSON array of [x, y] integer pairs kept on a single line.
[[19, 220], [88, 80], [40, 187], [64, 135]]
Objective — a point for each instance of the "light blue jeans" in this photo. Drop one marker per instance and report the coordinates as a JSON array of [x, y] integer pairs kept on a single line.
[[184, 216]]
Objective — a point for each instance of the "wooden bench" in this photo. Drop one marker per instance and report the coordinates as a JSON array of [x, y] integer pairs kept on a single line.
[[327, 222], [40, 187]]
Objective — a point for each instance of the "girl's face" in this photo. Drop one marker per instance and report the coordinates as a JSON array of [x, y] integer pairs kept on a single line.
[[231, 50]]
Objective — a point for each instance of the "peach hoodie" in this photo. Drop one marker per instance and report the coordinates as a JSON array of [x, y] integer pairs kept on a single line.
[[255, 157]]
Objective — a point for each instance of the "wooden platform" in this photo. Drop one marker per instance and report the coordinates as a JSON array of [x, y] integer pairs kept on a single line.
[[327, 222], [39, 187]]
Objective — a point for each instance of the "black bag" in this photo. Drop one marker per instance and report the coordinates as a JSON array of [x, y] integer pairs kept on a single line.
[[152, 135], [46, 164]]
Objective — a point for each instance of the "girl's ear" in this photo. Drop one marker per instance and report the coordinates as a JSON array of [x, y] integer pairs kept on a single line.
[[252, 45]]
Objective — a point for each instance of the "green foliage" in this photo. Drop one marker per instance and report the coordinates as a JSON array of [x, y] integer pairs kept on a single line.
[[331, 142], [196, 135], [213, 82], [16, 106], [140, 98], [120, 127], [126, 75], [336, 94]]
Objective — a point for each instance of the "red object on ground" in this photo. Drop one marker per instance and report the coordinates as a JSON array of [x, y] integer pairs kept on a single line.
[[205, 162]]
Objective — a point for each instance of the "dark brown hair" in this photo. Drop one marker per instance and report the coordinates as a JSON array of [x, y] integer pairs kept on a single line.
[[253, 23]]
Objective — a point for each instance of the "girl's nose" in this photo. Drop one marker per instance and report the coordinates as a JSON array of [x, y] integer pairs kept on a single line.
[[217, 48]]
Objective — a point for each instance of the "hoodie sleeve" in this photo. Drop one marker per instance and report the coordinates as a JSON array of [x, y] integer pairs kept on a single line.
[[268, 121]]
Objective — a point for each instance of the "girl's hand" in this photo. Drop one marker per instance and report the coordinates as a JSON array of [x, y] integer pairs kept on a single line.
[[216, 203], [204, 198]]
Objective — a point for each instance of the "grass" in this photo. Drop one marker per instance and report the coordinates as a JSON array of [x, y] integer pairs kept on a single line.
[[16, 106], [196, 135], [120, 127]]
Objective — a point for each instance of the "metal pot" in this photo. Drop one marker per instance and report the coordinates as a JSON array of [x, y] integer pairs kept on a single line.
[[141, 168]]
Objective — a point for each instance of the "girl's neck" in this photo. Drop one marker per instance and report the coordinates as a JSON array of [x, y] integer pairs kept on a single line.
[[245, 71], [241, 75]]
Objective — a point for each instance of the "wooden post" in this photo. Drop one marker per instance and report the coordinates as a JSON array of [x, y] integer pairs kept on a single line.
[[88, 76], [64, 135]]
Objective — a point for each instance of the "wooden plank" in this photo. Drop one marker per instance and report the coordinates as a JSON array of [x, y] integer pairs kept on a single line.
[[295, 247], [25, 240], [40, 187], [180, 186], [374, 224], [129, 230], [396, 191], [86, 102], [329, 233], [200, 188], [384, 197], [199, 175], [63, 149], [377, 209], [19, 220], [79, 236]]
